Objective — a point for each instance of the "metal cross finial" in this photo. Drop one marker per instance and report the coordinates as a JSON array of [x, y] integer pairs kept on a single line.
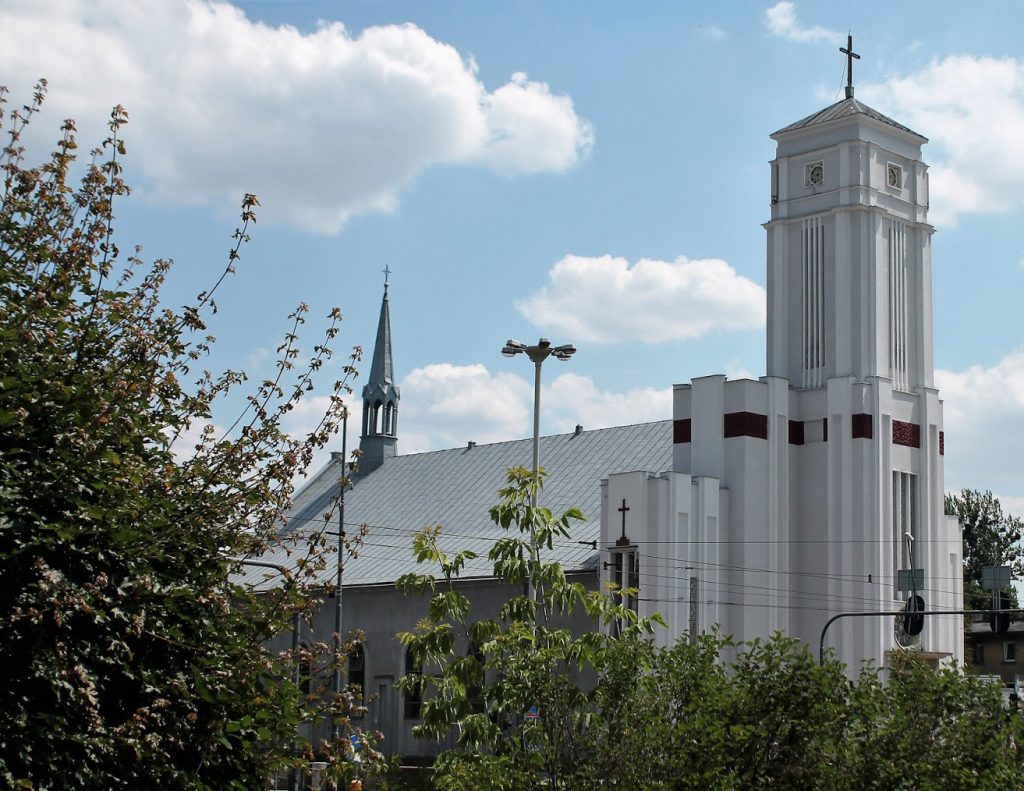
[[387, 271], [850, 55]]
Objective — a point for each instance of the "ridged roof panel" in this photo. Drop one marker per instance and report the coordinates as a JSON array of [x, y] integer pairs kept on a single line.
[[455, 489]]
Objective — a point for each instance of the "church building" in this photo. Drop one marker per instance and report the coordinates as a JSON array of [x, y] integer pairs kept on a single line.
[[761, 506]]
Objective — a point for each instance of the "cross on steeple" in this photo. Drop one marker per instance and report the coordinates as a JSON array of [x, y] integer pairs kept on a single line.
[[623, 541], [387, 271], [850, 55]]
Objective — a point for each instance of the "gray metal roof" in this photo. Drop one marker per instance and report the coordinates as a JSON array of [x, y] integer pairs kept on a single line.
[[455, 488], [844, 109]]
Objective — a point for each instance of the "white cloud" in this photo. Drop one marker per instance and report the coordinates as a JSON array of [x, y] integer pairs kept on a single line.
[[735, 370], [973, 111], [605, 300], [1012, 505], [984, 422], [573, 399], [445, 406], [306, 415], [198, 431], [782, 21], [320, 125]]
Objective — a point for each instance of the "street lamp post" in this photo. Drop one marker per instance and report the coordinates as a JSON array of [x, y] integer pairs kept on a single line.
[[537, 354], [338, 641]]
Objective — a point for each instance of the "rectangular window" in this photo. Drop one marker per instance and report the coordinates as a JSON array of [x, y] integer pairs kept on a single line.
[[626, 574], [977, 653], [357, 678], [413, 698], [1009, 652], [812, 299], [904, 521]]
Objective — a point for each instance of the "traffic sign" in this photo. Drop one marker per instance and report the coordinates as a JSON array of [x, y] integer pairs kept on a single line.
[[995, 578], [908, 580]]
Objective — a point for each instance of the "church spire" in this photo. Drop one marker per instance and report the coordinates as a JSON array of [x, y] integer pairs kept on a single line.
[[382, 369], [379, 440]]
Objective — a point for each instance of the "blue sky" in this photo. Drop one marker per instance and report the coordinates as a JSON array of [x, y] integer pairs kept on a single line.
[[589, 171]]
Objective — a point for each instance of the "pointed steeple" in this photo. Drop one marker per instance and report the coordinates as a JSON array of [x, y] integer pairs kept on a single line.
[[382, 368], [379, 440]]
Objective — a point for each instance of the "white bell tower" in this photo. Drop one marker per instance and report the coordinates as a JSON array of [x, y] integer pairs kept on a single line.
[[849, 251], [826, 464]]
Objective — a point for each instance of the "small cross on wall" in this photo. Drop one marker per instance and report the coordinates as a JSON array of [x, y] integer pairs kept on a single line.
[[623, 541]]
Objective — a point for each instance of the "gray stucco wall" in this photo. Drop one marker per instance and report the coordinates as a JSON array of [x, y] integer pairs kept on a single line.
[[379, 613]]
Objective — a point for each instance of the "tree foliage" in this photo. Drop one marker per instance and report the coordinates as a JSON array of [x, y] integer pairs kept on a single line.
[[615, 710], [528, 659], [131, 658], [991, 538]]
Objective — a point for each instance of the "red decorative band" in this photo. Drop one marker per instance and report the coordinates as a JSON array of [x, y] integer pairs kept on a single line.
[[908, 434], [942, 443], [860, 425], [682, 430], [796, 432], [746, 424]]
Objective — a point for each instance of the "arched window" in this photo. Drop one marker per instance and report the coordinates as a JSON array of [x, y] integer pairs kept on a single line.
[[305, 668], [413, 700], [357, 676]]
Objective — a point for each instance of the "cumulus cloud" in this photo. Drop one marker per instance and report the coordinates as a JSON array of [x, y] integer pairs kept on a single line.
[[606, 300], [306, 416], [199, 431], [781, 19], [984, 421], [973, 110], [320, 125], [573, 399], [445, 406], [735, 370], [1012, 505]]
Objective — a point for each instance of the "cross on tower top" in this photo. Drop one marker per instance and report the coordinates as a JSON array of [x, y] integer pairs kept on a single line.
[[387, 271], [850, 55]]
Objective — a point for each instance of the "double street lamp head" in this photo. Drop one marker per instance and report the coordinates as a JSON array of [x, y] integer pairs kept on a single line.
[[539, 352]]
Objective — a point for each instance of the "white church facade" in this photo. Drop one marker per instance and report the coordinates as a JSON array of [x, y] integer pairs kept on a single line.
[[760, 506], [790, 499]]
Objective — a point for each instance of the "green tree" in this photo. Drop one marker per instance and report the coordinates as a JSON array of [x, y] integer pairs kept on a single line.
[[928, 729], [131, 659], [617, 711], [528, 659], [991, 538]]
